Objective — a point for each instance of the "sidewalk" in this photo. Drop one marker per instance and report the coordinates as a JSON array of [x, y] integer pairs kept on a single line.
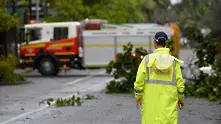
[[120, 109]]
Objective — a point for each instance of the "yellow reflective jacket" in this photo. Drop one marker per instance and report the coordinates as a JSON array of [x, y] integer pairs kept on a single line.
[[160, 87]]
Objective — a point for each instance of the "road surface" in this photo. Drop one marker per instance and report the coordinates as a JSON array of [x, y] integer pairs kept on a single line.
[[19, 104], [18, 99]]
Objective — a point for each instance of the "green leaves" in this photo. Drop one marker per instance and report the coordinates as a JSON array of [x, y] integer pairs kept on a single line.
[[208, 54], [68, 10], [119, 11], [9, 21], [170, 44], [49, 101], [89, 97], [73, 101], [212, 97], [60, 102], [125, 69], [198, 13], [7, 67], [3, 3]]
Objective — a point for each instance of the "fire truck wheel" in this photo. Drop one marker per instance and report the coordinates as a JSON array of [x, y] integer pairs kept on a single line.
[[47, 67]]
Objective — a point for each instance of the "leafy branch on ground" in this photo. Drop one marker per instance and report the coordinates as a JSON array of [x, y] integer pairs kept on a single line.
[[69, 102], [73, 101], [89, 97]]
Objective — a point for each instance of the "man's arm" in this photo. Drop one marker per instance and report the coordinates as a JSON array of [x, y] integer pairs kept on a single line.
[[140, 78], [180, 82]]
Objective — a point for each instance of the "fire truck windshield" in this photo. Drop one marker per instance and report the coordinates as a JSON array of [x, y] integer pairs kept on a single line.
[[33, 34]]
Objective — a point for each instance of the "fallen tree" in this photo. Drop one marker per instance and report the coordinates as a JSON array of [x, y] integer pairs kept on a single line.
[[208, 54], [124, 69]]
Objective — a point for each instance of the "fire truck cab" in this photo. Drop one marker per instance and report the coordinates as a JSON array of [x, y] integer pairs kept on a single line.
[[49, 47]]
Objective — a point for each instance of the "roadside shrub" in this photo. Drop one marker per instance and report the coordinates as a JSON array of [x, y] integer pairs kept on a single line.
[[7, 67]]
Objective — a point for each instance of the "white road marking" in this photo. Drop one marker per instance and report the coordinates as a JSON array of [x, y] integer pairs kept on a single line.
[[39, 109], [100, 86], [45, 106], [24, 115], [85, 78], [102, 72], [78, 80]]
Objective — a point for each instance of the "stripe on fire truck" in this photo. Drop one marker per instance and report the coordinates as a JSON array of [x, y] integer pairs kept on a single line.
[[56, 53], [33, 54], [112, 45], [64, 60], [28, 61], [33, 46], [61, 44], [64, 53], [52, 45]]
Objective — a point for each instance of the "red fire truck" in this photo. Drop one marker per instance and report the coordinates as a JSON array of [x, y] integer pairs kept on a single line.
[[51, 47]]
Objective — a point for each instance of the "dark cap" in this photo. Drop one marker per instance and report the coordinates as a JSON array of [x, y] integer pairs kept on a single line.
[[162, 36]]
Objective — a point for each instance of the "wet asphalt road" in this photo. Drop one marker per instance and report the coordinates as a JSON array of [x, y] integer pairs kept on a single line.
[[19, 104], [120, 109], [18, 99]]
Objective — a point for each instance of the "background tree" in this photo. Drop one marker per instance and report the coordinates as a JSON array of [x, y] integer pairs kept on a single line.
[[115, 11], [68, 10], [118, 11], [9, 20], [156, 10], [194, 16]]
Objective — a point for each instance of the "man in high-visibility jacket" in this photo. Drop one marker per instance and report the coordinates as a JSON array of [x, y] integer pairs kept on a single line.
[[159, 85]]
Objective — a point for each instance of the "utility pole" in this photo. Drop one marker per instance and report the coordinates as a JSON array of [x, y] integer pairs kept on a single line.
[[29, 9], [46, 9], [13, 7], [37, 11], [14, 29]]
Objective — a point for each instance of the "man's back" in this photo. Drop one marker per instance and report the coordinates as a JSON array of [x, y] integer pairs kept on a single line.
[[158, 84]]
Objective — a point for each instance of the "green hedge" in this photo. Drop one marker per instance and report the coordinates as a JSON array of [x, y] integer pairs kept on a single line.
[[7, 67]]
